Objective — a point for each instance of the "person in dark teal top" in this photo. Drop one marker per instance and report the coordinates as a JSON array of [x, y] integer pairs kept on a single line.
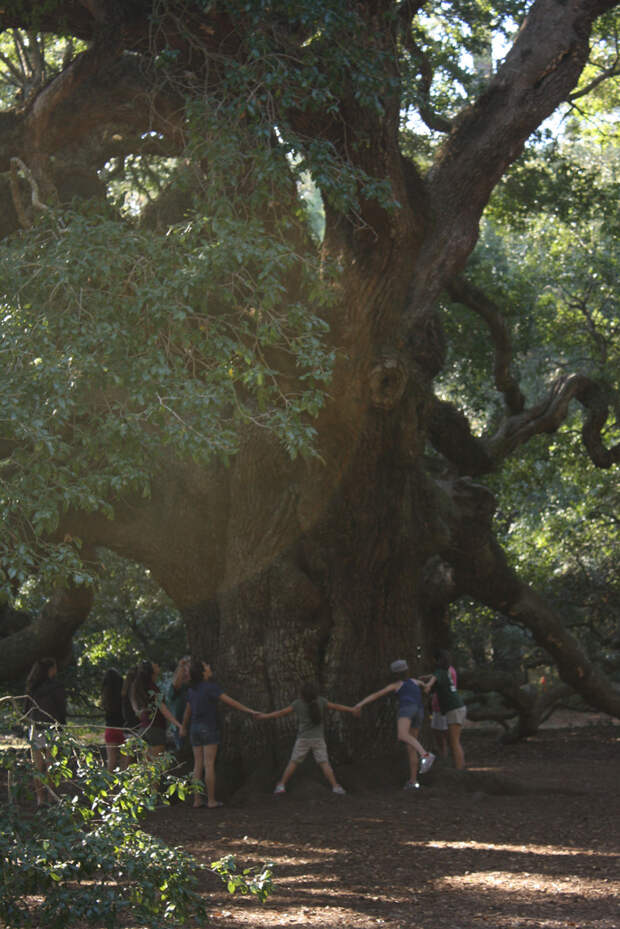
[[450, 704]]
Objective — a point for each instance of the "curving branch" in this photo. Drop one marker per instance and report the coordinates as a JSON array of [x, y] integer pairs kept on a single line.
[[606, 74], [18, 165], [449, 432], [428, 114], [49, 633], [103, 104], [530, 704], [482, 571], [462, 291], [549, 415]]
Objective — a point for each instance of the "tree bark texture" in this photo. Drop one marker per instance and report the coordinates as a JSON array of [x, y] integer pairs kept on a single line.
[[286, 570]]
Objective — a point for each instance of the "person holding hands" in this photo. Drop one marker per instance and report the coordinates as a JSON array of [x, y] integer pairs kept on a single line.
[[409, 718]]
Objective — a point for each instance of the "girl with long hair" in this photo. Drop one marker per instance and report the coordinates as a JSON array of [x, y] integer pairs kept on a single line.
[[309, 709], [150, 709], [201, 718]]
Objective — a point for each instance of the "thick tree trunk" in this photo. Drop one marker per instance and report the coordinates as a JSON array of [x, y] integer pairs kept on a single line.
[[330, 569]]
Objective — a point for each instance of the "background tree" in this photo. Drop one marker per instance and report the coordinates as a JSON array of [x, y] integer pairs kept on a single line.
[[192, 383]]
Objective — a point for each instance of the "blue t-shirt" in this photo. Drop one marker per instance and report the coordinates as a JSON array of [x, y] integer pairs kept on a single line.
[[203, 700], [409, 694]]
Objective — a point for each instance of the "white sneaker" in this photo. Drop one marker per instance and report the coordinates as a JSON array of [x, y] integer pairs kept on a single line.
[[426, 762], [338, 789], [280, 789]]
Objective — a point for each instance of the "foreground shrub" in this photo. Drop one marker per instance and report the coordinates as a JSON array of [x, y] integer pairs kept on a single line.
[[84, 858]]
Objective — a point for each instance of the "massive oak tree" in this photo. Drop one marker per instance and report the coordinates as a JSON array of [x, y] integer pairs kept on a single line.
[[250, 415]]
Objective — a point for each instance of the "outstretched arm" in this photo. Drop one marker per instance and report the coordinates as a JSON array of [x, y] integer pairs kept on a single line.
[[186, 717], [342, 708], [236, 705], [275, 714], [168, 715], [378, 693]]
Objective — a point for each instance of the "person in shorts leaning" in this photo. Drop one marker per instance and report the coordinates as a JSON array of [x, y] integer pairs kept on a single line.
[[439, 723], [409, 718]]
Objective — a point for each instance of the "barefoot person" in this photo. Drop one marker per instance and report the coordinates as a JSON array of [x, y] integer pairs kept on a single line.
[[409, 718], [309, 710], [204, 734]]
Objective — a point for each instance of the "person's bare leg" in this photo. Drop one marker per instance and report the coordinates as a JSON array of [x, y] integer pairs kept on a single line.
[[414, 759], [288, 772], [111, 757], [440, 738], [210, 751], [403, 731], [197, 751], [454, 738], [328, 771], [38, 761]]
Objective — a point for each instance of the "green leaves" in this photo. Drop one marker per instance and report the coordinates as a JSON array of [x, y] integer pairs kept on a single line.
[[119, 343], [255, 881], [84, 859]]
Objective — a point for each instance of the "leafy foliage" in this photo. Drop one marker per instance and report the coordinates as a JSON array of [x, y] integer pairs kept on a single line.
[[119, 342], [255, 881], [84, 858], [549, 256], [131, 618]]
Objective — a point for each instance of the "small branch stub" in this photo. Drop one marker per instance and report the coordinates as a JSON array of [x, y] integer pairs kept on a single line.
[[387, 384]]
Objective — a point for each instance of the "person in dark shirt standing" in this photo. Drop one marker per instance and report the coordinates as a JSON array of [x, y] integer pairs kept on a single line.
[[450, 704], [204, 733], [46, 706], [112, 702]]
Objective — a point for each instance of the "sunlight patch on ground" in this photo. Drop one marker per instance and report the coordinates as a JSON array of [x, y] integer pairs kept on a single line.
[[501, 847], [510, 883]]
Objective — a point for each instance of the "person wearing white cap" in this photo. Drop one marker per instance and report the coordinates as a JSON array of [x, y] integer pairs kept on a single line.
[[409, 719]]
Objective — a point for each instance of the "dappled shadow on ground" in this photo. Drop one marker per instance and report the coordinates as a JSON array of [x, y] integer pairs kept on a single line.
[[528, 838]]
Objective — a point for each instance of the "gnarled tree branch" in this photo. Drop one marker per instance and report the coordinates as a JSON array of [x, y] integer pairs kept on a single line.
[[463, 291], [549, 414], [482, 571], [49, 633]]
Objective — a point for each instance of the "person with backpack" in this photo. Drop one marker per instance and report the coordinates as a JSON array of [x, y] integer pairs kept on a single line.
[[309, 709]]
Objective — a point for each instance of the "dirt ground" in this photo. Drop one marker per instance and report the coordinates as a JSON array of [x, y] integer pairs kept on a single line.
[[527, 838]]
